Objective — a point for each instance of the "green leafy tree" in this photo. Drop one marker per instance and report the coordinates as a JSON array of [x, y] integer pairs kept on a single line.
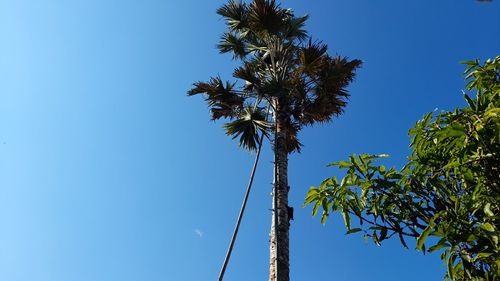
[[284, 70], [448, 194]]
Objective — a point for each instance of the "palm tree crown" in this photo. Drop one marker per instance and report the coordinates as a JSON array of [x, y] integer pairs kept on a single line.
[[279, 61]]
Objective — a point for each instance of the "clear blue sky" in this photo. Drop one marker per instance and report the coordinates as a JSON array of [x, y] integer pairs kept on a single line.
[[109, 172]]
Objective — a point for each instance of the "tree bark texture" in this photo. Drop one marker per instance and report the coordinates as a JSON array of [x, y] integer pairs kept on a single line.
[[280, 226]]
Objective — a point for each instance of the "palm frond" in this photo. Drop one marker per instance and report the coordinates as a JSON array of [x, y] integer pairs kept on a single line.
[[221, 99], [292, 141], [232, 43], [235, 13], [334, 76], [247, 127], [272, 88], [339, 72], [311, 57], [323, 109], [329, 79], [266, 17], [295, 28], [282, 52], [249, 72], [255, 43]]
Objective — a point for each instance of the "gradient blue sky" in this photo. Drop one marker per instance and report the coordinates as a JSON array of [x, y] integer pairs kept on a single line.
[[109, 172]]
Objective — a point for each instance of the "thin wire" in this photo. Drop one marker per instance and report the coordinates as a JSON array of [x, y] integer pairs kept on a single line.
[[243, 205]]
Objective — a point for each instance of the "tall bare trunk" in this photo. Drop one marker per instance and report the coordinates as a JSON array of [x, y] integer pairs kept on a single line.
[[279, 236]]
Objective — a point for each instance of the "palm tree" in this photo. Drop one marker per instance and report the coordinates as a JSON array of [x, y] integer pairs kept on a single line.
[[285, 70]]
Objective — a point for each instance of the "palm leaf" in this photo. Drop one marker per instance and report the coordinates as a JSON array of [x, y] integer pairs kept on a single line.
[[250, 72], [329, 79], [232, 43], [266, 17], [295, 28], [221, 99], [292, 142], [311, 57], [247, 127], [235, 13]]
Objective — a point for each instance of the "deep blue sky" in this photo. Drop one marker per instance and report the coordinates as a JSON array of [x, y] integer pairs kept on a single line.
[[109, 172]]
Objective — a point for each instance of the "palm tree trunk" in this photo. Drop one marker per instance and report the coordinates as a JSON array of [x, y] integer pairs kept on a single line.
[[280, 226]]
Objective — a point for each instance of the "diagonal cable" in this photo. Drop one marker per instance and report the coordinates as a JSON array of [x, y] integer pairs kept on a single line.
[[243, 205]]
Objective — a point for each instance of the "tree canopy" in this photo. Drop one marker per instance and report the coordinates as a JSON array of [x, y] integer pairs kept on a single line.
[[279, 60], [446, 197]]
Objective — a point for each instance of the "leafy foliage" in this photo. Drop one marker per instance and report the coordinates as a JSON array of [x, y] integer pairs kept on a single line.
[[279, 64], [220, 98], [247, 126], [448, 190]]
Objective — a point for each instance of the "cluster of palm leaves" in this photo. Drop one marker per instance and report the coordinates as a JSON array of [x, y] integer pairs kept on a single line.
[[281, 66]]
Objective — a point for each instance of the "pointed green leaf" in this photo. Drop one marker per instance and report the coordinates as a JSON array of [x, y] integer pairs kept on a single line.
[[488, 227], [438, 246], [423, 236], [353, 230], [487, 210]]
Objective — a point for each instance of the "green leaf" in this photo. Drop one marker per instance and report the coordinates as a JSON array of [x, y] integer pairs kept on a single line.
[[423, 236], [468, 62], [340, 164], [402, 239], [470, 102], [488, 227], [452, 164], [324, 216], [324, 204], [451, 268], [487, 210], [310, 199], [383, 234], [347, 218], [494, 238], [353, 230], [438, 246], [375, 239], [315, 208], [483, 255]]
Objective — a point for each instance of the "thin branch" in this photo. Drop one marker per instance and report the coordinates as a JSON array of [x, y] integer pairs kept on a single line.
[[383, 226]]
